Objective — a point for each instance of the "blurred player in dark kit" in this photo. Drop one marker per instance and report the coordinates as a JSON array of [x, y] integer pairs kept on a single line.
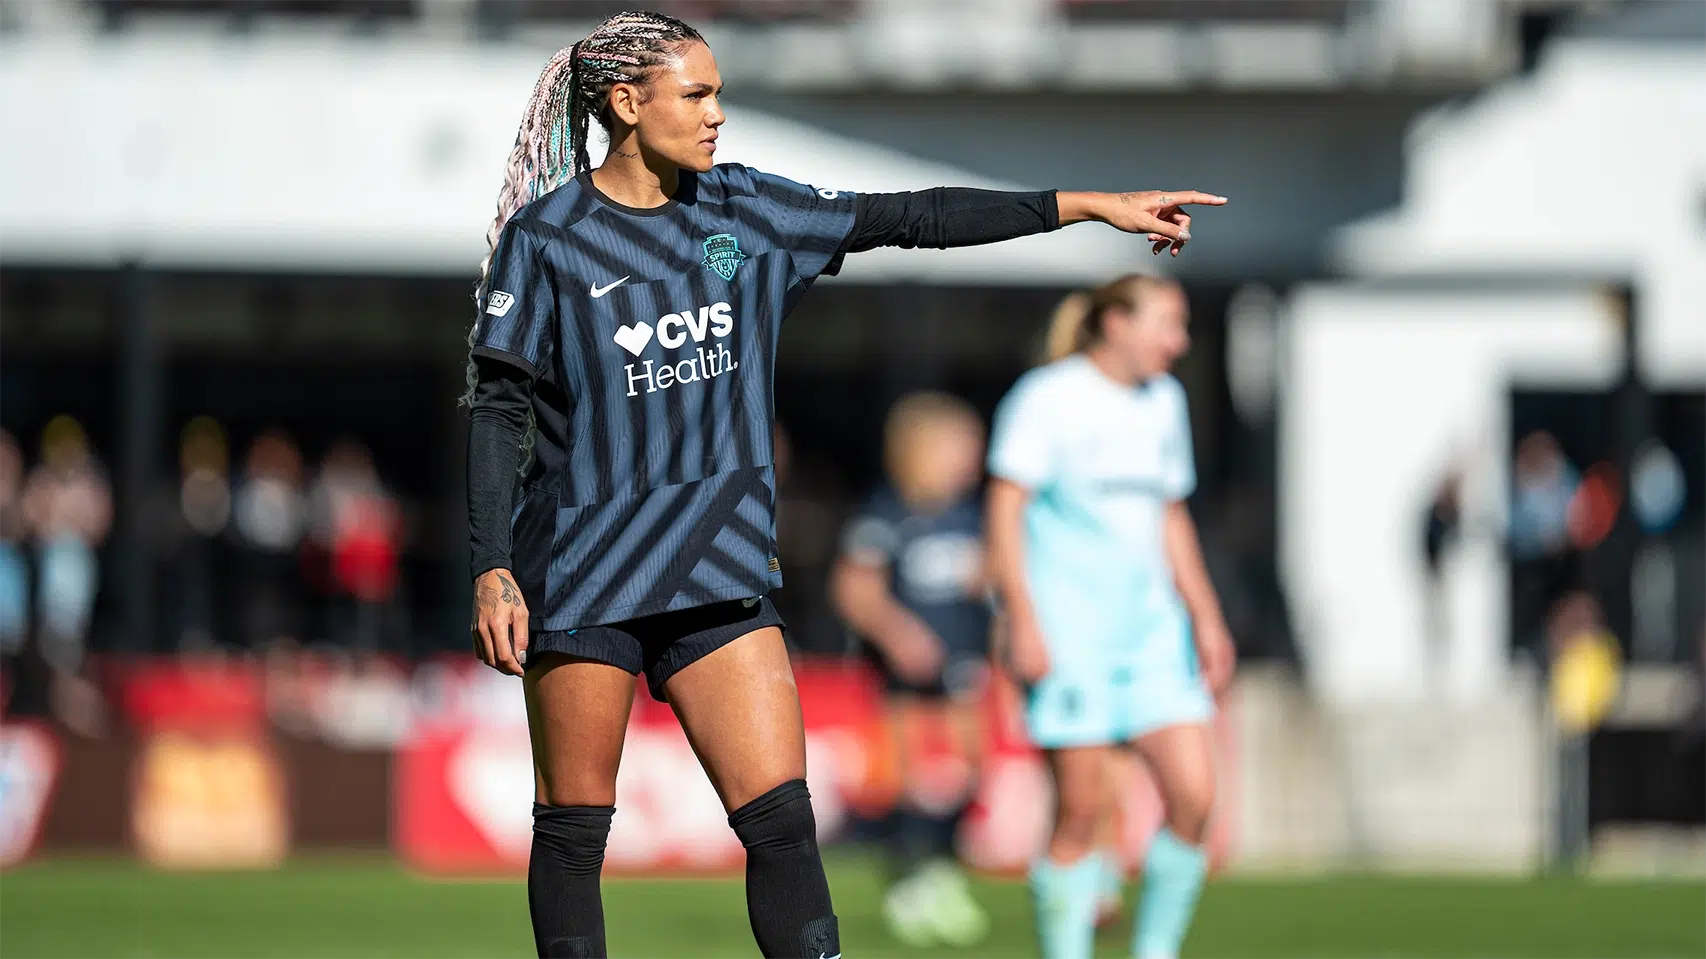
[[910, 582]]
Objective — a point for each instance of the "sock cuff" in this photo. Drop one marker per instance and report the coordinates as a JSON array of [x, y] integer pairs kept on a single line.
[[757, 809], [594, 817], [1168, 850], [1043, 867]]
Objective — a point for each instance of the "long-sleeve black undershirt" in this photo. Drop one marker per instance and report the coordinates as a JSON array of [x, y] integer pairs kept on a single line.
[[939, 219], [498, 424], [948, 217]]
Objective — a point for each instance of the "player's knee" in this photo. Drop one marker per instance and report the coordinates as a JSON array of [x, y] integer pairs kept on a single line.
[[573, 837], [779, 819], [1189, 810], [1076, 817], [574, 787]]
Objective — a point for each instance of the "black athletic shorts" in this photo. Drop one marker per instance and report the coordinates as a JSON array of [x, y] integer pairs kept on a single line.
[[662, 644]]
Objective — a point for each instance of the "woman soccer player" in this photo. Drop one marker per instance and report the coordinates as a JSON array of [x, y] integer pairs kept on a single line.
[[910, 581], [622, 366], [1096, 564]]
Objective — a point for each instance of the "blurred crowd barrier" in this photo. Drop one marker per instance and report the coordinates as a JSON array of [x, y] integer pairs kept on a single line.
[[218, 762], [239, 762]]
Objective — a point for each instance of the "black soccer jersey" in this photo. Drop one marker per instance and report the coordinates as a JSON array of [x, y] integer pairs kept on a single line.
[[934, 561], [651, 334]]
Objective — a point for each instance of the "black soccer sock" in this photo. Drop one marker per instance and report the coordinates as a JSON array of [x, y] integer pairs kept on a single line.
[[944, 830], [562, 880], [907, 841], [787, 895]]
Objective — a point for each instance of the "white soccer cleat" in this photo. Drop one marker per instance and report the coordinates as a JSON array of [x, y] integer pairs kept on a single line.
[[907, 913], [958, 919]]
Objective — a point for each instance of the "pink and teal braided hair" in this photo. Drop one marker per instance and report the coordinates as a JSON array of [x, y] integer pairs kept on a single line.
[[550, 146]]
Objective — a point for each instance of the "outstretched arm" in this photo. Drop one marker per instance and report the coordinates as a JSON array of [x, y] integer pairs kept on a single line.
[[953, 216]]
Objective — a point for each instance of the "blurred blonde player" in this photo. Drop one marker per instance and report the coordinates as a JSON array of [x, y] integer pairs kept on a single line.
[[910, 582], [1113, 626]]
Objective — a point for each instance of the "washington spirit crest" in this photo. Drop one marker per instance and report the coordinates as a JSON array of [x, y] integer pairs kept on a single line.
[[722, 255]]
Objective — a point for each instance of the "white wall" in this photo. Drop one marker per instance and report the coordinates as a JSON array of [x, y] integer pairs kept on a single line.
[[1381, 390], [1592, 167]]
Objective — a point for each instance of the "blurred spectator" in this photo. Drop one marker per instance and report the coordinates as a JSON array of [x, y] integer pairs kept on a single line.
[[355, 524], [23, 675], [1543, 484], [204, 509], [269, 514], [68, 507], [1444, 515], [1441, 528], [1584, 661], [14, 572]]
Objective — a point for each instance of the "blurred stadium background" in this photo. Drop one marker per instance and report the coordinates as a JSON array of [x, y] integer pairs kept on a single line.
[[1448, 389]]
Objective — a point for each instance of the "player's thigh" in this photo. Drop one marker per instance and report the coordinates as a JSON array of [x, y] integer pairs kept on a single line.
[[1080, 782], [1123, 763], [577, 716], [741, 712], [1181, 759]]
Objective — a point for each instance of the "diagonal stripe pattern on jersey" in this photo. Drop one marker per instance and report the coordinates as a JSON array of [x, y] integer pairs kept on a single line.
[[652, 486]]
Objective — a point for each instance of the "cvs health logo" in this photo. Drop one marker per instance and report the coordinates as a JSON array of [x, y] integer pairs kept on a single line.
[[672, 332]]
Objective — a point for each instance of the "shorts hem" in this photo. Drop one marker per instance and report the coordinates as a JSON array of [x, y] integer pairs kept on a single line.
[[621, 614], [590, 644], [1200, 717], [690, 649], [1123, 733]]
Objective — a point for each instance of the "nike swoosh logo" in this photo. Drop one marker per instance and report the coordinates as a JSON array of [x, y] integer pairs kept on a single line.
[[598, 291]]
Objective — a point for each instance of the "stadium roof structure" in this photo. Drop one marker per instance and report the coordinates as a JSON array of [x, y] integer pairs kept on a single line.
[[356, 155], [1652, 21], [1593, 168]]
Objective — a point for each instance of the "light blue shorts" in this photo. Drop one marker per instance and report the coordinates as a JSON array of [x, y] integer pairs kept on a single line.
[[1107, 696]]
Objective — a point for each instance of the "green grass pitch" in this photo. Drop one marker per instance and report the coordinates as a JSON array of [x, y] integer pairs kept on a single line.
[[366, 907]]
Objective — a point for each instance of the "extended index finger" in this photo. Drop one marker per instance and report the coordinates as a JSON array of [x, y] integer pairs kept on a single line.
[[1182, 197]]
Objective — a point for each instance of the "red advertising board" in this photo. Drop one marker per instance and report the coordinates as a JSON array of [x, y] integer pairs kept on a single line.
[[463, 784], [29, 771]]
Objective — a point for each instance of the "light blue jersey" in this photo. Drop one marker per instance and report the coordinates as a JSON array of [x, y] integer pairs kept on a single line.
[[1102, 462]]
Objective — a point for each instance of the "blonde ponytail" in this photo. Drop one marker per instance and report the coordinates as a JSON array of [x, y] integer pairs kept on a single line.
[[1077, 321], [1067, 328]]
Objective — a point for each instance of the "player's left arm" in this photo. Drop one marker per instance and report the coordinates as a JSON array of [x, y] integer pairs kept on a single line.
[[1214, 644], [1190, 577]]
